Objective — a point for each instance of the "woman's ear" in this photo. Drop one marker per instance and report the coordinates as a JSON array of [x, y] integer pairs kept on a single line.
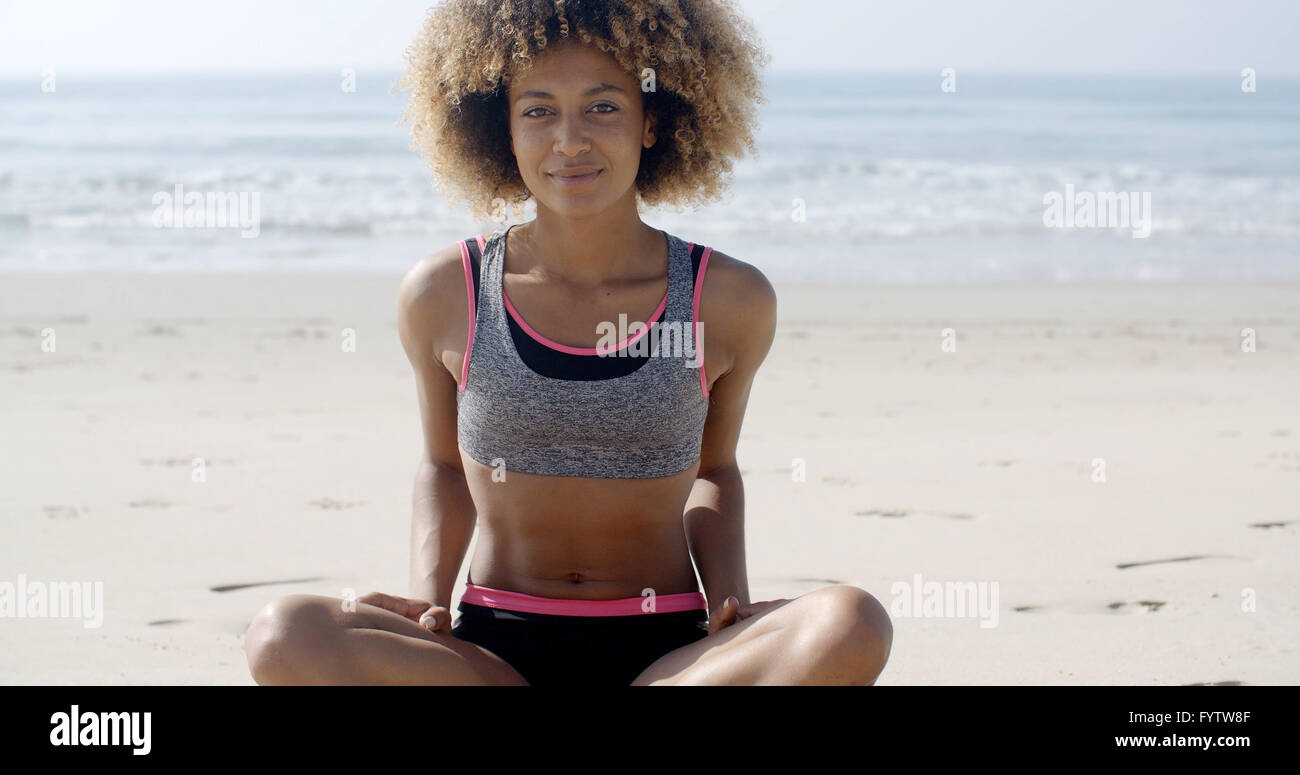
[[649, 134]]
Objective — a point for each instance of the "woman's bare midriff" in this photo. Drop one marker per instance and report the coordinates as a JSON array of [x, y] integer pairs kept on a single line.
[[580, 538]]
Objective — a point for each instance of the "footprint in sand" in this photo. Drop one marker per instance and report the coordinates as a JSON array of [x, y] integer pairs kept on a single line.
[[880, 513], [64, 512], [329, 504], [233, 587], [1283, 457], [895, 513], [150, 503], [26, 366], [1078, 607], [166, 461], [303, 333], [1140, 563], [1139, 607]]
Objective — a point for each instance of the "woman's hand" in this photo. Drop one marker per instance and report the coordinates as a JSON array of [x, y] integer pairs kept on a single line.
[[422, 612], [731, 611]]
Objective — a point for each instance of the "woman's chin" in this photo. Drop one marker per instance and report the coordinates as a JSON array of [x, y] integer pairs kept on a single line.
[[575, 206], [584, 203]]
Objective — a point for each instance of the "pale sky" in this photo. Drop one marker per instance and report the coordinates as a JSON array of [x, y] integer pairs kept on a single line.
[[159, 36]]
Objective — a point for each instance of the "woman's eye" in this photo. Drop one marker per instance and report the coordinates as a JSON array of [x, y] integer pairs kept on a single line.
[[533, 111]]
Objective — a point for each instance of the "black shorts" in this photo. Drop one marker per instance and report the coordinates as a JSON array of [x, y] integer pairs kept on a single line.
[[567, 650]]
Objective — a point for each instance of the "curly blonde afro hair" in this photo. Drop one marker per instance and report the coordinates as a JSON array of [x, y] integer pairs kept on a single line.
[[705, 56]]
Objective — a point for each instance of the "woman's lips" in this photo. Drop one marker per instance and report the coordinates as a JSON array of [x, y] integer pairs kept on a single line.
[[575, 180]]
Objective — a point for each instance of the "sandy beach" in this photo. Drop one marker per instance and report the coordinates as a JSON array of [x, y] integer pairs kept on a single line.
[[977, 465]]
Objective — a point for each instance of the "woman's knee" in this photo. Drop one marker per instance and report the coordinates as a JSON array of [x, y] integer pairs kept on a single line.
[[283, 636], [854, 632]]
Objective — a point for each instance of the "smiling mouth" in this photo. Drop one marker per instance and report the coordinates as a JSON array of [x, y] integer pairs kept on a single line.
[[576, 180]]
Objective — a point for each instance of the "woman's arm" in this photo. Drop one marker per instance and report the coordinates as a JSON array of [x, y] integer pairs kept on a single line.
[[442, 523], [432, 323], [738, 315], [715, 532]]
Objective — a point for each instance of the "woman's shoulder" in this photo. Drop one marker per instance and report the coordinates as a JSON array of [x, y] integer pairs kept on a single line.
[[737, 309], [729, 281], [436, 274], [432, 296]]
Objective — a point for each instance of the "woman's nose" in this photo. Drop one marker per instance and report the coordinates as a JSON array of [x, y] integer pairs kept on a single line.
[[571, 138]]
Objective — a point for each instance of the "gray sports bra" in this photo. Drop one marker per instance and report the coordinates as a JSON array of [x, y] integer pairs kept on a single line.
[[632, 407]]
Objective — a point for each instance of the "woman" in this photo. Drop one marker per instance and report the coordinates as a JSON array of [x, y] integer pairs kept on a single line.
[[595, 471]]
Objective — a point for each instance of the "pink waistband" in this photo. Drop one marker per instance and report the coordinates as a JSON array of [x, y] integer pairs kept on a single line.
[[624, 606]]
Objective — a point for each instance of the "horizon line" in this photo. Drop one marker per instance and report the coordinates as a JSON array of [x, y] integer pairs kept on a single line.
[[317, 70]]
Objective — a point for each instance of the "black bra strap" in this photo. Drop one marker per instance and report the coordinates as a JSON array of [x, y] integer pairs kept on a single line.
[[475, 260], [697, 253]]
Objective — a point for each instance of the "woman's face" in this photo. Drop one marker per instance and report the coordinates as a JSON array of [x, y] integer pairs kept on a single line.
[[577, 128]]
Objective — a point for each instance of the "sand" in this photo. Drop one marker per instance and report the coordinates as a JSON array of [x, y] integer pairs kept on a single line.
[[974, 466]]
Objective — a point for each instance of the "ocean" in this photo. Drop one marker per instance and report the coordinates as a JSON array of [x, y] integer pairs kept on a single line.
[[861, 178]]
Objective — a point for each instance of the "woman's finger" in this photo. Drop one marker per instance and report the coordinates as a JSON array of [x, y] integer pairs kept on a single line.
[[416, 607], [436, 618], [402, 606], [381, 600], [726, 614]]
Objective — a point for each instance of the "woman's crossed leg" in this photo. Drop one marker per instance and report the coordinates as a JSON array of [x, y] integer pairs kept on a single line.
[[314, 639]]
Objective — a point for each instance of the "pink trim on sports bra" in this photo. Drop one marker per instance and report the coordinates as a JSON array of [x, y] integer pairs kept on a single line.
[[564, 348], [695, 314], [624, 606], [469, 293]]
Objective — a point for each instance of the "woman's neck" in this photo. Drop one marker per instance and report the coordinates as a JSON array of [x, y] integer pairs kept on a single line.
[[587, 252]]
